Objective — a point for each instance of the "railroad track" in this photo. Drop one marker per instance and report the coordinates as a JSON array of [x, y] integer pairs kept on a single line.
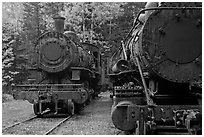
[[18, 123], [35, 117], [57, 125], [26, 120]]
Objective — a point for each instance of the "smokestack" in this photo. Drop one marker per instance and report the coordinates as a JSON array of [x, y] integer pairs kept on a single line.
[[59, 23]]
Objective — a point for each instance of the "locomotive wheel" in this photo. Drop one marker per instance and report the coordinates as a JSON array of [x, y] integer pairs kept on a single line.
[[36, 109], [84, 97], [119, 114], [70, 107], [89, 92], [89, 99]]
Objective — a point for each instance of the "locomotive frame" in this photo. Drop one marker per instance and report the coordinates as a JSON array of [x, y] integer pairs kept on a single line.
[[136, 110]]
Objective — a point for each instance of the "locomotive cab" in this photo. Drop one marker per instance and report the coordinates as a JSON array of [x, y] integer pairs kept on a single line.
[[95, 52]]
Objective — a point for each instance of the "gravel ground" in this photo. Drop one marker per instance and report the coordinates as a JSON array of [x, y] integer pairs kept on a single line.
[[15, 111], [35, 127], [93, 120]]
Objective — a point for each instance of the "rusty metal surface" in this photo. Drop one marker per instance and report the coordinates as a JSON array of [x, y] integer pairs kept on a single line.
[[171, 43], [118, 115], [32, 92], [55, 52]]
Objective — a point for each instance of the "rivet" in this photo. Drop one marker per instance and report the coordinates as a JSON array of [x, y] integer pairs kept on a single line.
[[178, 122], [161, 31], [196, 60], [163, 119], [153, 118], [133, 115], [178, 18], [178, 114], [198, 23], [162, 109]]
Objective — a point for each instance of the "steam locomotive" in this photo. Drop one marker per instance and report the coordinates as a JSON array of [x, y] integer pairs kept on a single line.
[[67, 73], [156, 72]]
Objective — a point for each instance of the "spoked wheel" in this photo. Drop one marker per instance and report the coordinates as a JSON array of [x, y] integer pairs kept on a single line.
[[70, 107]]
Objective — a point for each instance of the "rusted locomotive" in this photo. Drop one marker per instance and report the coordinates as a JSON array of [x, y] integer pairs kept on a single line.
[[66, 75], [156, 73]]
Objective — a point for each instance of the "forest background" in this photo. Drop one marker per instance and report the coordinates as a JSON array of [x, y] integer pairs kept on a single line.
[[102, 23]]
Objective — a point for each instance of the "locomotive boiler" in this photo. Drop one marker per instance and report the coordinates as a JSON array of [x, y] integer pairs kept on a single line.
[[66, 74], [157, 71]]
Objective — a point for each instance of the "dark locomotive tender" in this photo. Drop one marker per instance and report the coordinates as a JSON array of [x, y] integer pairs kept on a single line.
[[157, 73], [66, 75]]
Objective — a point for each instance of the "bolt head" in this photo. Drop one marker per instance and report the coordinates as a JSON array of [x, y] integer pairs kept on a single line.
[[198, 23], [178, 123], [178, 114], [178, 17]]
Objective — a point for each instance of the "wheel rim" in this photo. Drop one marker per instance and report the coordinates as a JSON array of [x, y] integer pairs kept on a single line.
[[70, 107]]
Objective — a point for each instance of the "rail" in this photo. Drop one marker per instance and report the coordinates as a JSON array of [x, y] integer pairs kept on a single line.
[[26, 120], [57, 125], [18, 123]]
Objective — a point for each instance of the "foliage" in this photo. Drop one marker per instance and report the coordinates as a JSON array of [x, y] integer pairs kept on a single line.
[[8, 73], [88, 19], [123, 23], [12, 15], [11, 25]]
